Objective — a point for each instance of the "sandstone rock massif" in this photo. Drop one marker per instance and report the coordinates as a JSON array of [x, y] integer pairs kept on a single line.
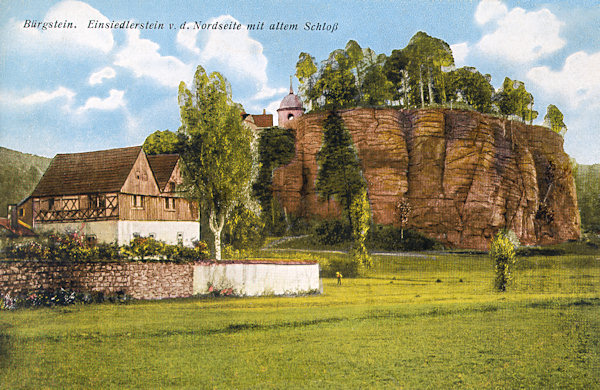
[[466, 175]]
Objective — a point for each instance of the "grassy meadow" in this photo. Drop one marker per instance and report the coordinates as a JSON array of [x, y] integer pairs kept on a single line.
[[431, 320]]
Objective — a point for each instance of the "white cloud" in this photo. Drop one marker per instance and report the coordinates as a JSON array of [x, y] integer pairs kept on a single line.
[[272, 109], [64, 39], [489, 10], [268, 92], [42, 97], [233, 50], [460, 52], [141, 56], [188, 39], [104, 73], [577, 83], [523, 36], [114, 100]]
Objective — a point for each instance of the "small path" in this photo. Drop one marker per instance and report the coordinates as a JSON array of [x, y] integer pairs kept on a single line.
[[282, 240], [397, 254]]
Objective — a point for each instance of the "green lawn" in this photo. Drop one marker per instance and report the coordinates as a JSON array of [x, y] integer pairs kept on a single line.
[[412, 322]]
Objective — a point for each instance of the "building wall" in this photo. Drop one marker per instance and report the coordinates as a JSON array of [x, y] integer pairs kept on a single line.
[[166, 231], [154, 209], [253, 279], [156, 280]]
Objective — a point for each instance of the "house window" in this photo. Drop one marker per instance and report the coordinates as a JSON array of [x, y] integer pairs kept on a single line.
[[180, 237], [136, 235], [152, 235], [170, 204], [51, 204], [21, 212], [91, 239], [138, 201], [171, 187], [137, 175]]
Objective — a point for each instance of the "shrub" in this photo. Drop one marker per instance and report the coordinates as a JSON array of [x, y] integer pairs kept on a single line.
[[389, 238], [360, 214], [243, 229], [142, 247], [60, 297], [344, 265], [502, 251], [332, 232]]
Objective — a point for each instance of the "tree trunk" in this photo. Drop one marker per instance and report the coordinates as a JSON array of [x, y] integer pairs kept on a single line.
[[216, 224], [421, 86], [429, 85]]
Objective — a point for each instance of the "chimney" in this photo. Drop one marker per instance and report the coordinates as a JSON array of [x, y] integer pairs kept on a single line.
[[12, 214]]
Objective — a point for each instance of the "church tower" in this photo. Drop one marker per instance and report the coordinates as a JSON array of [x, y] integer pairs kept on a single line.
[[290, 108]]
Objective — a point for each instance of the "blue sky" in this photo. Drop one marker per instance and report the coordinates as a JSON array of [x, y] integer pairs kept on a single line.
[[73, 90]]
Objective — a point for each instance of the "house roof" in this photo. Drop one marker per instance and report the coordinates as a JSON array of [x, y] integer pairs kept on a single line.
[[162, 166], [91, 172], [263, 120], [19, 230]]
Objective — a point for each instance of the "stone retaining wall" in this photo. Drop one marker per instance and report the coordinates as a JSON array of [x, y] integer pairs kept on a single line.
[[156, 280]]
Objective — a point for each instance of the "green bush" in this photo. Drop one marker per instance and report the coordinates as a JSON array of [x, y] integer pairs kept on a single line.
[[243, 229], [389, 238], [502, 251], [345, 265], [331, 232]]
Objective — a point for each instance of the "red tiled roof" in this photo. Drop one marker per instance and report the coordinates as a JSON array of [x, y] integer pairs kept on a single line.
[[162, 166], [263, 120], [91, 172]]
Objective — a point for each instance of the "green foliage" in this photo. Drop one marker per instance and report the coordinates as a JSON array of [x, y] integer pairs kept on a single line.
[[73, 248], [360, 215], [470, 86], [19, 174], [244, 229], [346, 265], [554, 119], [502, 251], [336, 83], [60, 297], [513, 99], [375, 87], [306, 71], [276, 147], [161, 142], [396, 71], [587, 182], [216, 153], [427, 55], [339, 174], [390, 238], [332, 232]]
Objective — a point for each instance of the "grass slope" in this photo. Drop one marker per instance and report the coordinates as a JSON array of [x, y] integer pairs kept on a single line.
[[19, 174], [425, 322]]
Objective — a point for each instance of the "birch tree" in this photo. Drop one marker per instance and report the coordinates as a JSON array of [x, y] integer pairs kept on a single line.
[[216, 153]]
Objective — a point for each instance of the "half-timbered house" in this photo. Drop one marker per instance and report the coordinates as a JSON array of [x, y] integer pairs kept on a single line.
[[113, 196]]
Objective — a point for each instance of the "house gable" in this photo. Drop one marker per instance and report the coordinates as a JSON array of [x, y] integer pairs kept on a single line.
[[141, 180]]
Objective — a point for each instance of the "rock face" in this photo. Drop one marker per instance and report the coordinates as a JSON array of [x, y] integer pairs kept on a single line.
[[466, 175]]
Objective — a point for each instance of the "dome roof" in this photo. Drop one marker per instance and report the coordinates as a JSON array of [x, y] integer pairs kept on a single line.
[[291, 101]]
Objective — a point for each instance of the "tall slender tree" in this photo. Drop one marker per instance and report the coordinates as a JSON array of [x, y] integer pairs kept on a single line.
[[339, 174], [216, 150]]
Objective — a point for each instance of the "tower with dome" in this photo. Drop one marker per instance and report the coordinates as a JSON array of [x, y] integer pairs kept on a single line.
[[290, 108]]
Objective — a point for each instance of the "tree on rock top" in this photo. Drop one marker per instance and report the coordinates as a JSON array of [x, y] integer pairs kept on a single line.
[[216, 153], [339, 174]]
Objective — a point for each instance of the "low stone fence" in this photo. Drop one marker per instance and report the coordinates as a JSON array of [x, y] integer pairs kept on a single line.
[[157, 280]]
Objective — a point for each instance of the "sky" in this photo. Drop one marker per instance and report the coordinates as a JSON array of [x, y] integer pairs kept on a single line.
[[78, 89]]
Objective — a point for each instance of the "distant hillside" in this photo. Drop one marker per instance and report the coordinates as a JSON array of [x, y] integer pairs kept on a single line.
[[19, 174], [587, 181]]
